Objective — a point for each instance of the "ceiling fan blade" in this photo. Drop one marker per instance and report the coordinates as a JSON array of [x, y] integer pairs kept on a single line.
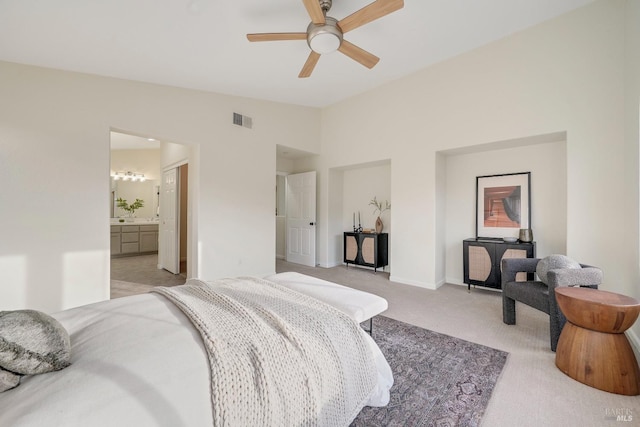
[[269, 37], [308, 67], [371, 12], [358, 54], [314, 10]]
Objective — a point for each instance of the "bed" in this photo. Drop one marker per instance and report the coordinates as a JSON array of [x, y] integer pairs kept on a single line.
[[360, 306], [143, 360]]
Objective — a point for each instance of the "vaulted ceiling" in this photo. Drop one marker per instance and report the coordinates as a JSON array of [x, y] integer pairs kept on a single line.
[[202, 44]]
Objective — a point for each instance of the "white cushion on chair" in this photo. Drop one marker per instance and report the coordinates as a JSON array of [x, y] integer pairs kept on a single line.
[[357, 304]]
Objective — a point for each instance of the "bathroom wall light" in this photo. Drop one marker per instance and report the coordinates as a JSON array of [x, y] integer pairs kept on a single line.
[[129, 176]]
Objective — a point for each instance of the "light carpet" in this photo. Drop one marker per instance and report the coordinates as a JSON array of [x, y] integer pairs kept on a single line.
[[439, 380]]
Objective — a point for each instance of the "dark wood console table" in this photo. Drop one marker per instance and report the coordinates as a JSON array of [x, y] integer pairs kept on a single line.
[[482, 257], [368, 249]]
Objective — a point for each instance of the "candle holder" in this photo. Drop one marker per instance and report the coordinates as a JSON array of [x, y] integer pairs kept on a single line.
[[357, 229]]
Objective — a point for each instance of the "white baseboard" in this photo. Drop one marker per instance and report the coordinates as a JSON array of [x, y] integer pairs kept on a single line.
[[634, 340], [425, 285], [329, 264]]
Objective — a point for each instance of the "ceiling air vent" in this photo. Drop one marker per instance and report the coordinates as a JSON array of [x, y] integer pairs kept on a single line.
[[240, 120]]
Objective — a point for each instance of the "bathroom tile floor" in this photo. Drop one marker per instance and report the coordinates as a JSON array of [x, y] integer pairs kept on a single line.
[[138, 274]]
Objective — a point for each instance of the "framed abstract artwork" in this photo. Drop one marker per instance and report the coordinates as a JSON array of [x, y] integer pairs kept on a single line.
[[503, 204]]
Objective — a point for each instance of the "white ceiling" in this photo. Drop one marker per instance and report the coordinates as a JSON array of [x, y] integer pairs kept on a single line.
[[201, 44], [123, 141]]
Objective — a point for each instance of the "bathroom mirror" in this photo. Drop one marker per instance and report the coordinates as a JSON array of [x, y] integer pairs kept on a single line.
[[148, 191]]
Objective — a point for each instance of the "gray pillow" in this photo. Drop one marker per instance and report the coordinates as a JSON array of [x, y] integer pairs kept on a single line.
[[553, 262], [8, 380], [32, 342]]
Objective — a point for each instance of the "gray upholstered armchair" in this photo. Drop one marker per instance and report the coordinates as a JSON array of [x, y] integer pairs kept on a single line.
[[539, 295]]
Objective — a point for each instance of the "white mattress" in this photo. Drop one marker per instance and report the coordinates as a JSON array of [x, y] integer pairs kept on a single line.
[[359, 305], [135, 361]]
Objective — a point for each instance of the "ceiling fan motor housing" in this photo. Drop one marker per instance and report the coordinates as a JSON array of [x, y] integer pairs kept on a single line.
[[324, 38], [325, 5]]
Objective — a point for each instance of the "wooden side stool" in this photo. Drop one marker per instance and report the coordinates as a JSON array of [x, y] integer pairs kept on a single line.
[[593, 348]]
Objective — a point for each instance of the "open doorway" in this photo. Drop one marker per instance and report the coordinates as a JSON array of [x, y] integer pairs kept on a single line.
[[136, 173], [295, 210]]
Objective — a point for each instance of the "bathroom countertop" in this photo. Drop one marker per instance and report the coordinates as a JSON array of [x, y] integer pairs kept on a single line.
[[134, 221]]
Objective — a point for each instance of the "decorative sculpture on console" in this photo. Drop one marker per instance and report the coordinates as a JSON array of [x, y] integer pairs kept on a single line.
[[380, 209]]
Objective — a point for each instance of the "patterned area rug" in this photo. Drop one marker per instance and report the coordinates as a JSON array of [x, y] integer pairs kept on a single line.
[[439, 380]]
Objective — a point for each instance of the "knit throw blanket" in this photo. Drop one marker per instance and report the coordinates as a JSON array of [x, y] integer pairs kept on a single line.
[[277, 357]]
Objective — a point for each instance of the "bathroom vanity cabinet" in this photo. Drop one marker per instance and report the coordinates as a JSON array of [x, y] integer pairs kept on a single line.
[[134, 239]]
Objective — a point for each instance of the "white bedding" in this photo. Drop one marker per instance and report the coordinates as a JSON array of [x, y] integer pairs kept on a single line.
[[135, 361], [357, 304]]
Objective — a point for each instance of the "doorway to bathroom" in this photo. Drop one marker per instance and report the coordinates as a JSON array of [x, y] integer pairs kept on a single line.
[[136, 215]]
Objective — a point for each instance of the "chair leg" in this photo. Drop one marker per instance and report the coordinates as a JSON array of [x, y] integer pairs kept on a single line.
[[556, 323], [508, 310]]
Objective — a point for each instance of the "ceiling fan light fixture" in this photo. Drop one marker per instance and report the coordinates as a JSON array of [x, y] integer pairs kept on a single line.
[[324, 43], [325, 38]]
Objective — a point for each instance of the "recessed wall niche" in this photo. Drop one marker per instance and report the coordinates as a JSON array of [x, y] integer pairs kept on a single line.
[[545, 156], [351, 189]]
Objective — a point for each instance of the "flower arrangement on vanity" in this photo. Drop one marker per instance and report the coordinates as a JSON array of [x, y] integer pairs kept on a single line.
[[130, 208]]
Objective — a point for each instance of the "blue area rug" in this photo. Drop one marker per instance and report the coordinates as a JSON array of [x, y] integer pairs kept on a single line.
[[439, 380]]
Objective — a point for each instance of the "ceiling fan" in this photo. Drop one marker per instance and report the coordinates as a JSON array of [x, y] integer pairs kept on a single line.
[[325, 34]]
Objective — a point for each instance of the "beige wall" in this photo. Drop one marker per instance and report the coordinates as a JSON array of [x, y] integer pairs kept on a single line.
[[577, 75], [630, 252], [54, 133], [563, 76], [138, 161], [360, 186], [547, 163]]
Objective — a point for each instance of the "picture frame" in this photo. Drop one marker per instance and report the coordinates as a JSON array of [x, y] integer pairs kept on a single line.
[[503, 204]]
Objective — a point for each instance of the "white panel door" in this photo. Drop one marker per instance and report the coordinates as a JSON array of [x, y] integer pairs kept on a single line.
[[301, 218], [169, 231]]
